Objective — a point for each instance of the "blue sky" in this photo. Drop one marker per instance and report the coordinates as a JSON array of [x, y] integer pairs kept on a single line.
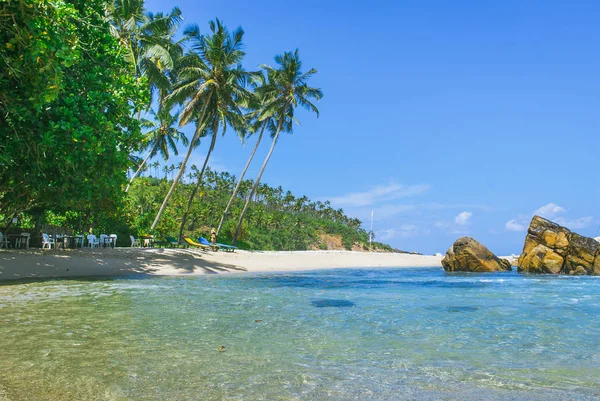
[[445, 118]]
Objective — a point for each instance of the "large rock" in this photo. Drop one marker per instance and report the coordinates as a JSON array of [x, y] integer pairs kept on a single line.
[[468, 255], [552, 249]]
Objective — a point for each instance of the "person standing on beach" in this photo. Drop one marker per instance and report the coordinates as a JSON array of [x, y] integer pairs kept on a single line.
[[213, 236]]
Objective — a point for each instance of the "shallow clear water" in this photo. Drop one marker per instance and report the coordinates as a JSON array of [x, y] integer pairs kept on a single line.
[[396, 334]]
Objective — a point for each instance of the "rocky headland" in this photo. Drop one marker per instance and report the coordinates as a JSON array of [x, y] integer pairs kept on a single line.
[[553, 249], [468, 255]]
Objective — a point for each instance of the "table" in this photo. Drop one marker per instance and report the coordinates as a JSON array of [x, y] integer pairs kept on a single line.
[[147, 241], [68, 241], [78, 241], [108, 241], [19, 240]]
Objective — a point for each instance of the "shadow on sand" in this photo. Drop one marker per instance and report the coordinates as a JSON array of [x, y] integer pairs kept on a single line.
[[19, 265]]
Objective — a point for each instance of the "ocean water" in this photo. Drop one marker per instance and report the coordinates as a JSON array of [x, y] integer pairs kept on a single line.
[[346, 334]]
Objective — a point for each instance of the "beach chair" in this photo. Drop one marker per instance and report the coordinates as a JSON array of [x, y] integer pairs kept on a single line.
[[103, 240], [173, 243], [204, 241], [112, 240], [4, 242], [223, 247], [93, 241], [135, 242], [47, 241], [191, 242], [227, 248]]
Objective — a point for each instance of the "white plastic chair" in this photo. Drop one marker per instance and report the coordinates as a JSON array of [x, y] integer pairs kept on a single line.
[[113, 240], [5, 242], [47, 241], [103, 240], [93, 241], [134, 241]]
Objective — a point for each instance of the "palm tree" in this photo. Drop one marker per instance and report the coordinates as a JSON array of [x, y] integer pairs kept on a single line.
[[211, 87], [286, 90], [160, 52], [255, 126], [162, 136], [125, 17], [149, 39]]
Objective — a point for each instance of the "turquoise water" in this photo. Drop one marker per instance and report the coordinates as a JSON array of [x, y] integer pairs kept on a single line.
[[395, 334]]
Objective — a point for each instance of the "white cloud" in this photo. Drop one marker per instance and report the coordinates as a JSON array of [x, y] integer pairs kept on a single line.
[[456, 227], [463, 218], [386, 211], [446, 206], [381, 193], [404, 231], [442, 224], [513, 225], [582, 222], [550, 210]]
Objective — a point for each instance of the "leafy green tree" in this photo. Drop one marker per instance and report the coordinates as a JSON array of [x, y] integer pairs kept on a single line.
[[286, 90], [66, 100], [162, 136], [211, 87]]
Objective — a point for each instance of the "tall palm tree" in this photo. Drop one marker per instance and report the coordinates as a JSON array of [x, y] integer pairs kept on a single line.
[[162, 136], [255, 125], [211, 87], [152, 52], [286, 90]]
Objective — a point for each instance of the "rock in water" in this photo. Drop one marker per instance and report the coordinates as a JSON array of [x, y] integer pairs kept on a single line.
[[468, 255], [552, 249]]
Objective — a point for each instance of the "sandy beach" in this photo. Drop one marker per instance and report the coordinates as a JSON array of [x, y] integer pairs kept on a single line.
[[35, 263]]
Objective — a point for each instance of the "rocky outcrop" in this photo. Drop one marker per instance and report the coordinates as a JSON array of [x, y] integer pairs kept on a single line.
[[468, 255], [552, 249]]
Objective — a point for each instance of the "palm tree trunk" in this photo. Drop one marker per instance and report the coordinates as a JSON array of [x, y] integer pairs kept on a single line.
[[237, 187], [195, 191], [257, 181], [140, 167], [183, 164]]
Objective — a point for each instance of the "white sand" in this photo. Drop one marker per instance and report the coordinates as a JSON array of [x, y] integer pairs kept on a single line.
[[18, 264]]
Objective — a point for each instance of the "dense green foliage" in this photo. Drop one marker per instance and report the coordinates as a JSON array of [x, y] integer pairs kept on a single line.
[[76, 79], [276, 219], [66, 106]]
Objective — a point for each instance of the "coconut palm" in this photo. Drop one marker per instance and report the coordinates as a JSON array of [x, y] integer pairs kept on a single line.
[[161, 137], [255, 125], [160, 52], [125, 18], [286, 90], [149, 39], [211, 87], [213, 124]]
